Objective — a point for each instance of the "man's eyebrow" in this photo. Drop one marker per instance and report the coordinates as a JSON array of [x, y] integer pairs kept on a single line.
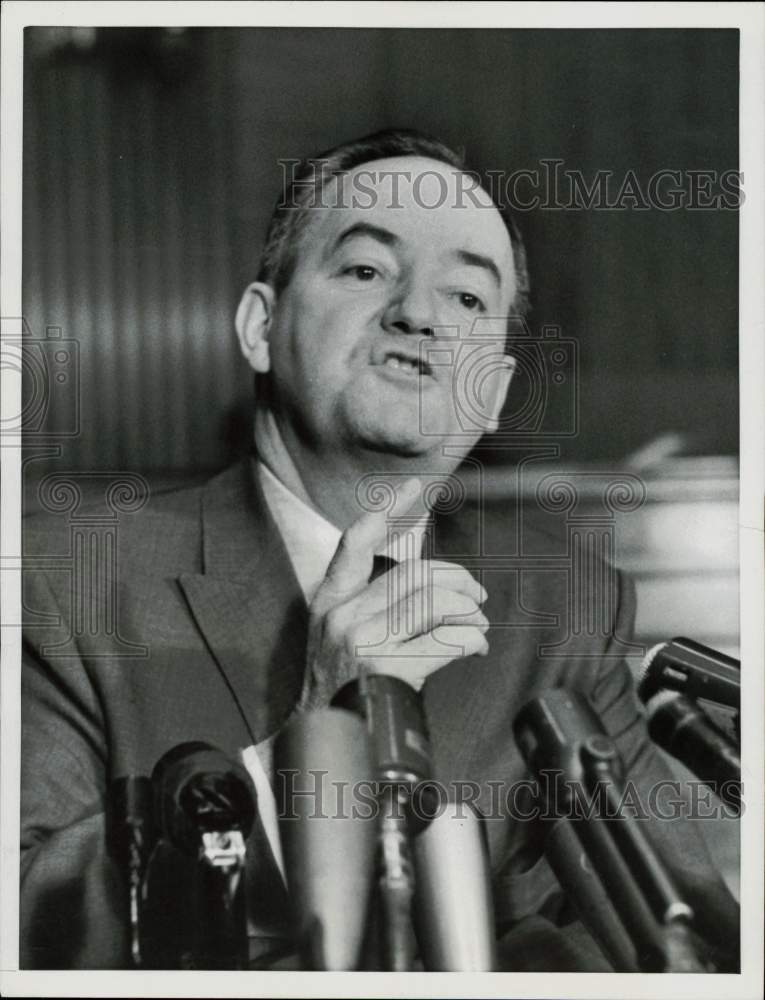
[[479, 260], [378, 233], [388, 238]]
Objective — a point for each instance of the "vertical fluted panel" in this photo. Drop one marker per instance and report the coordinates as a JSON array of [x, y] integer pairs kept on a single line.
[[126, 251]]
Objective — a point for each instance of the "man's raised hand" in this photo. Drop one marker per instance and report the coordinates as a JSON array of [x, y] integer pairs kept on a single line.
[[412, 620]]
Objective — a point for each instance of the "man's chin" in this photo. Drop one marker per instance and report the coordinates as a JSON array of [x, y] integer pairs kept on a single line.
[[395, 450], [401, 430], [402, 443], [394, 439]]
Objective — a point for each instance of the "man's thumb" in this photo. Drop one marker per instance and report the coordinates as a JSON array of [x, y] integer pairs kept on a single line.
[[351, 564]]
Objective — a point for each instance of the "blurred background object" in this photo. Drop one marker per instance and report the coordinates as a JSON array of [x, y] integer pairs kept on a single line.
[[678, 540]]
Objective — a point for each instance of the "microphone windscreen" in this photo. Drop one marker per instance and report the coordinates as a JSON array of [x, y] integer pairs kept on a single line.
[[198, 789], [327, 828], [453, 904]]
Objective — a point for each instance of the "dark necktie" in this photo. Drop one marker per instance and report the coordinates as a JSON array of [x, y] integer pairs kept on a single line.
[[380, 565]]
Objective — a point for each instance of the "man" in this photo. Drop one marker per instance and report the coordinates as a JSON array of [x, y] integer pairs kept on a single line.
[[385, 275]]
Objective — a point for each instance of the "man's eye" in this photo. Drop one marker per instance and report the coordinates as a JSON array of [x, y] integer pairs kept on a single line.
[[362, 272], [470, 301]]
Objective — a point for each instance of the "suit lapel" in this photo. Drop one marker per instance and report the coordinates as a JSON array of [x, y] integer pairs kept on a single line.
[[247, 602]]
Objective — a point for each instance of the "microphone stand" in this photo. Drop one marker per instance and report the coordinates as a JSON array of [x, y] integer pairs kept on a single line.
[[632, 872], [131, 838], [221, 924], [395, 880], [393, 714]]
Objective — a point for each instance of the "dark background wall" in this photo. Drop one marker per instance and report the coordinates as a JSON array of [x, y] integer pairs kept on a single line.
[[151, 166]]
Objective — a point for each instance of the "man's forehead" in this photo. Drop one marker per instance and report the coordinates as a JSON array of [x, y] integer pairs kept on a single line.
[[415, 198]]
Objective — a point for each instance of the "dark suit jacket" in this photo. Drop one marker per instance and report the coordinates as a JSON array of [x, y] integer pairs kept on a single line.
[[207, 642]]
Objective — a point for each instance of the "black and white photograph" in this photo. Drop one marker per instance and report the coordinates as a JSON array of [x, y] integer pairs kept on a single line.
[[382, 450]]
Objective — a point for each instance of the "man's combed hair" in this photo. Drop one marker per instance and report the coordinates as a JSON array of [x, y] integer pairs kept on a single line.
[[292, 212]]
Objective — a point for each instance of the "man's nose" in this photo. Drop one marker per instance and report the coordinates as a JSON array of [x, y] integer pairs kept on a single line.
[[411, 310]]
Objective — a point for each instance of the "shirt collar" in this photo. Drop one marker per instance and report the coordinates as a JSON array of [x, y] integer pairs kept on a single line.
[[311, 540]]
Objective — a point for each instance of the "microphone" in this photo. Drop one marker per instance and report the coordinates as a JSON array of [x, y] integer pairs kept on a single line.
[[686, 732], [453, 904], [560, 735], [131, 837], [199, 790], [328, 838], [694, 670], [401, 758], [206, 808], [393, 713]]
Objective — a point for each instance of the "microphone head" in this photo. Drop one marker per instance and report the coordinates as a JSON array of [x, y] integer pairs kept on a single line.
[[453, 904], [395, 720], [327, 827], [692, 669], [550, 730], [199, 789]]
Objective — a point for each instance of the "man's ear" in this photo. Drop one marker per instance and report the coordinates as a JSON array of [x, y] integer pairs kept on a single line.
[[253, 323], [502, 380]]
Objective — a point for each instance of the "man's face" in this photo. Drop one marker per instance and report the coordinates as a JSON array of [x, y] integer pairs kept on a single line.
[[390, 308]]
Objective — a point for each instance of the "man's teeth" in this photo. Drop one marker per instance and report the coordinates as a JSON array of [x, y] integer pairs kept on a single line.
[[403, 363]]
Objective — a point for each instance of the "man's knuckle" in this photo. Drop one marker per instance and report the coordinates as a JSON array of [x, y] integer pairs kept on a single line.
[[334, 622], [356, 639], [453, 606], [464, 605]]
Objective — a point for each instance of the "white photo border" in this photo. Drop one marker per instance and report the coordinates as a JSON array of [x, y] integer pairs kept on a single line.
[[749, 18]]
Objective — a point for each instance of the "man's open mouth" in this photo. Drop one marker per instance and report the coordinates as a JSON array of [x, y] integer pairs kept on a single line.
[[407, 364]]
